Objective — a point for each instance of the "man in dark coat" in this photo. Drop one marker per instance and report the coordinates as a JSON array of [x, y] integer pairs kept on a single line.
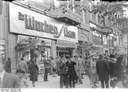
[[103, 71], [112, 62], [8, 66], [46, 68], [71, 72], [63, 72]]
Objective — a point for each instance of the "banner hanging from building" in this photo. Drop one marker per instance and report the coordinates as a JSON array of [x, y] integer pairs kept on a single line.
[[27, 22]]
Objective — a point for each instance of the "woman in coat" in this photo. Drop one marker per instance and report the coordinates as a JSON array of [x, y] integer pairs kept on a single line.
[[71, 72], [33, 68]]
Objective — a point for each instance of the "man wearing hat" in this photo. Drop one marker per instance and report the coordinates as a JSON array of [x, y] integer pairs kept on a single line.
[[103, 70]]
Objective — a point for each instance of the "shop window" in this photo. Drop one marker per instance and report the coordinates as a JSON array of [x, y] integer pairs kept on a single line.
[[64, 51]]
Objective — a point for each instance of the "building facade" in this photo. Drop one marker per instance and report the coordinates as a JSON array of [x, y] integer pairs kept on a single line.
[[21, 22]]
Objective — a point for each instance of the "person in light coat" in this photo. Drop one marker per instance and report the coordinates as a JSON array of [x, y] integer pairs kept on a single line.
[[76, 67], [93, 72], [81, 66]]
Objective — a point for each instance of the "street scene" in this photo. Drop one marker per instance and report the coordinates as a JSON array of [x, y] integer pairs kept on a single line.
[[64, 44]]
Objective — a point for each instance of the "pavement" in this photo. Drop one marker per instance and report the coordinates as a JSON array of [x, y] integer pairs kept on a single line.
[[53, 82]]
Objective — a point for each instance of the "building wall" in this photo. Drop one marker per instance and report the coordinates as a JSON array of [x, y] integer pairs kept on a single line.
[[10, 39]]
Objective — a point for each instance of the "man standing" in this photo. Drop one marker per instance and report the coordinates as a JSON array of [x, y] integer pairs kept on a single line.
[[76, 67], [82, 66], [71, 71], [102, 67], [46, 68], [63, 72], [22, 65], [7, 80], [80, 69], [52, 66], [8, 66]]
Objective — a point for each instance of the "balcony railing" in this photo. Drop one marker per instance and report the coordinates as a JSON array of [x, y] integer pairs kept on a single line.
[[66, 14]]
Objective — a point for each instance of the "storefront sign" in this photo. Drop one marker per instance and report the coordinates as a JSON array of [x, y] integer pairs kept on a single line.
[[61, 43], [28, 22]]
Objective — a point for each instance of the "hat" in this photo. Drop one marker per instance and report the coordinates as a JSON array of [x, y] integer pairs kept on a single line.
[[20, 71]]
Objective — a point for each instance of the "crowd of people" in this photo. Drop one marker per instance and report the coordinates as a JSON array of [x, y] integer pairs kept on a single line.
[[107, 70]]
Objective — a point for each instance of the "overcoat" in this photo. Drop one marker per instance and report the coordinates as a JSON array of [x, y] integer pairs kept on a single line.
[[102, 67], [33, 68], [71, 70]]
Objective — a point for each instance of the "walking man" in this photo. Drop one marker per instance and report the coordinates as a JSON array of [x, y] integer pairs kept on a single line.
[[71, 72], [46, 68], [102, 67], [80, 69], [8, 66]]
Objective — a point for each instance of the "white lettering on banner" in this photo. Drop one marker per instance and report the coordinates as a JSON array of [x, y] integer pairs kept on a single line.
[[28, 22]]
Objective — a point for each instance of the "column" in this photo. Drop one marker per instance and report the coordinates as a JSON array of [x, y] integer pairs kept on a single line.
[[53, 48], [11, 53], [10, 39]]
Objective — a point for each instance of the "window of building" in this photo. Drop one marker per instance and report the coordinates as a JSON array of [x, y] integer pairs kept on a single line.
[[86, 16], [94, 17]]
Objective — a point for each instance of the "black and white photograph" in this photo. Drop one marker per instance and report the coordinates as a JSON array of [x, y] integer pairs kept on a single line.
[[63, 44]]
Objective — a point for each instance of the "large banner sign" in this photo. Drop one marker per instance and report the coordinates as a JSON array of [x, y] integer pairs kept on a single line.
[[28, 22]]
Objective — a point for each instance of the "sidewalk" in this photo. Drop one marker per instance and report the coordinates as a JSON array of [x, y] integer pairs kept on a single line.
[[53, 82]]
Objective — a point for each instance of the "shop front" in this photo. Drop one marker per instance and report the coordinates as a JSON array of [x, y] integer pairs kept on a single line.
[[65, 48], [97, 42], [108, 43], [23, 41], [26, 23]]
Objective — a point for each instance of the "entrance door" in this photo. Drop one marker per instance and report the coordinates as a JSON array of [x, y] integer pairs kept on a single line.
[[64, 51]]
